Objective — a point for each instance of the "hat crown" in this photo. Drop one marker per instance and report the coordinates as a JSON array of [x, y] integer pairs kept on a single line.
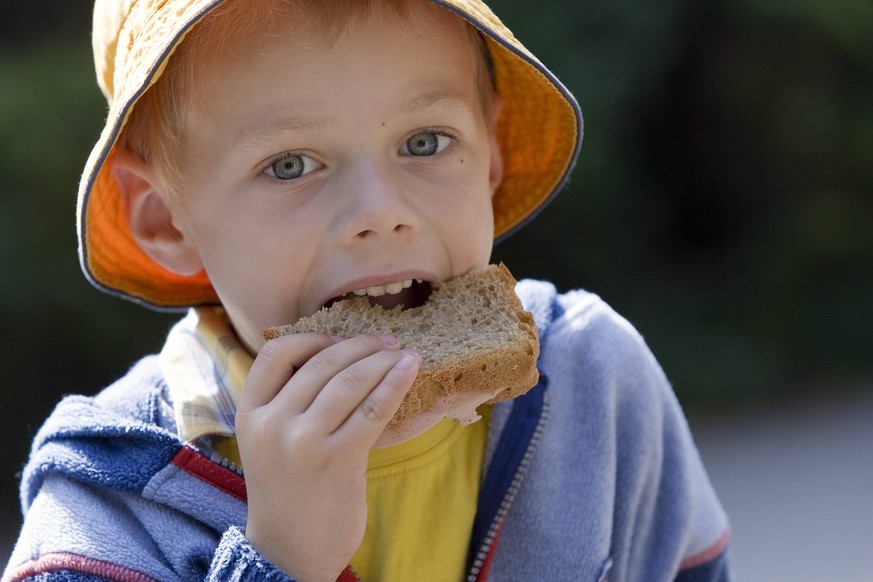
[[108, 21]]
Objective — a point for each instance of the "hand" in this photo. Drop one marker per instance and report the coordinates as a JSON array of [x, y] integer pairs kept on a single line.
[[312, 408]]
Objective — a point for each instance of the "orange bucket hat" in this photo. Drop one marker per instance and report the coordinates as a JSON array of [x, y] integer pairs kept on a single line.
[[539, 129]]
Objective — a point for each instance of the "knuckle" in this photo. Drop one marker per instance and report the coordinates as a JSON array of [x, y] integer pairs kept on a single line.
[[251, 433], [297, 437], [320, 361], [369, 341], [304, 444], [271, 350], [372, 410], [351, 378]]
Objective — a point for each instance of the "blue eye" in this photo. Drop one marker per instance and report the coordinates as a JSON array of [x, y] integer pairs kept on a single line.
[[426, 143], [292, 166], [423, 144]]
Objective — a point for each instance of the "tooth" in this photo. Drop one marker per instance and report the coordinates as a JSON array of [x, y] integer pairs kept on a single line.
[[390, 289], [394, 288]]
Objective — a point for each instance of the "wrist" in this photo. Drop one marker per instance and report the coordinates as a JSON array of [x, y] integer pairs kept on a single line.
[[300, 570]]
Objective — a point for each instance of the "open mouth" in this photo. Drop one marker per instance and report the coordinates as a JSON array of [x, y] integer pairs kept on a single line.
[[406, 294]]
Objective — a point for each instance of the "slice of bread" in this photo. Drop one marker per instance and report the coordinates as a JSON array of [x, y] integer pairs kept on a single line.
[[472, 333]]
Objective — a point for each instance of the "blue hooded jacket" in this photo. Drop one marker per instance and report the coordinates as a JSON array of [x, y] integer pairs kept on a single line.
[[592, 475]]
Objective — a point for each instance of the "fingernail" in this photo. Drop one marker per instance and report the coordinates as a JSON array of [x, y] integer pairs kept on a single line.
[[388, 340], [336, 339], [406, 362]]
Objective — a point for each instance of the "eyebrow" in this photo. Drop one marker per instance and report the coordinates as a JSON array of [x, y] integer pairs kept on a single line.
[[280, 125], [436, 100]]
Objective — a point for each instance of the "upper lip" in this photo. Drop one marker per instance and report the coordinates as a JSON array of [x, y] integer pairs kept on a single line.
[[377, 281]]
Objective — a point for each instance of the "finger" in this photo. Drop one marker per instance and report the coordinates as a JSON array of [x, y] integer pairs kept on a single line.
[[348, 388], [369, 419], [275, 364], [312, 377]]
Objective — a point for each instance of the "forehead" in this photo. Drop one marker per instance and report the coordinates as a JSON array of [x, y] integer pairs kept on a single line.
[[237, 26], [372, 54]]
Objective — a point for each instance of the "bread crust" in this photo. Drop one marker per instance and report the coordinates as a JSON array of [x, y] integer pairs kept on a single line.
[[500, 370]]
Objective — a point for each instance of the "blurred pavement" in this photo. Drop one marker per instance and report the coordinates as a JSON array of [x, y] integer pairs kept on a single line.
[[797, 484]]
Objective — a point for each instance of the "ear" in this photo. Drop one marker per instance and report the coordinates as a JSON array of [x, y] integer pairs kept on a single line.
[[151, 219], [495, 174]]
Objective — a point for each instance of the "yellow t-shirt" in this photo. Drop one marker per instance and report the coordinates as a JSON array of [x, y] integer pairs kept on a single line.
[[421, 502]]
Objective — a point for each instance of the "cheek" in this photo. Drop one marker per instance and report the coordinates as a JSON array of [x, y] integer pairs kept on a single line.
[[236, 253], [473, 192], [464, 211]]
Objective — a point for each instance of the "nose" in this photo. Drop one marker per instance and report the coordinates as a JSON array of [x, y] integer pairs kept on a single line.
[[376, 204]]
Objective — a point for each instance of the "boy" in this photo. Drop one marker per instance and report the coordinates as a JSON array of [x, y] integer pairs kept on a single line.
[[269, 157]]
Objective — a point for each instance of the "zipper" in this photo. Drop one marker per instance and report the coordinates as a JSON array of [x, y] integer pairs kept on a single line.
[[489, 542], [229, 465]]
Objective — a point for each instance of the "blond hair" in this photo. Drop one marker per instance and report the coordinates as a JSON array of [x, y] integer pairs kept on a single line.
[[155, 130]]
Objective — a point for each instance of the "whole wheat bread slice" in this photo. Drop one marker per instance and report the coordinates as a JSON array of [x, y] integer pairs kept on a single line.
[[473, 336]]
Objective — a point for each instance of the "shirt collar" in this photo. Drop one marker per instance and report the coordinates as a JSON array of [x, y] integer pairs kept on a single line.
[[205, 367]]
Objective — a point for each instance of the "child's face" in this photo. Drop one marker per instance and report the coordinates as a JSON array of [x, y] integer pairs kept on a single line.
[[313, 169]]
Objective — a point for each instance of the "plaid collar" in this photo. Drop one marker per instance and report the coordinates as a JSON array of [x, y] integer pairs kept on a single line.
[[205, 367]]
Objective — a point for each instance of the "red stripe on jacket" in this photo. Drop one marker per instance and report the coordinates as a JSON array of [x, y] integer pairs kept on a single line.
[[199, 466], [66, 561]]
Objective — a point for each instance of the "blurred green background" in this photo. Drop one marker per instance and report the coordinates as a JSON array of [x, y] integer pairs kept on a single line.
[[722, 202]]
